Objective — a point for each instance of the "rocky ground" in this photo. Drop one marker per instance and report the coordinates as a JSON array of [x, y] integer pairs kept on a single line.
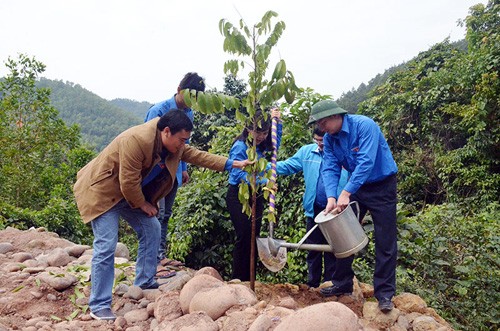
[[44, 286]]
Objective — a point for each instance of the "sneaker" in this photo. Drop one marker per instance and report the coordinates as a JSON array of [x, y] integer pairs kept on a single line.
[[334, 290], [104, 314], [385, 305], [153, 286]]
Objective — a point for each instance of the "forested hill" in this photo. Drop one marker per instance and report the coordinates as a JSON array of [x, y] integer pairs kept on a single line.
[[350, 100], [100, 120], [136, 108]]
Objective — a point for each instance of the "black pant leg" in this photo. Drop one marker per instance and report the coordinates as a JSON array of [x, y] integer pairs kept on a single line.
[[243, 229], [314, 258], [381, 199]]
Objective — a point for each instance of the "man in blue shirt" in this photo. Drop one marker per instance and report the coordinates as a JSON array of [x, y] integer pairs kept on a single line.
[[356, 143], [309, 160], [190, 81]]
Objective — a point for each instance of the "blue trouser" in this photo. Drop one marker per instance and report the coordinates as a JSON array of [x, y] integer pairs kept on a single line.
[[316, 259], [380, 200], [164, 213], [105, 228]]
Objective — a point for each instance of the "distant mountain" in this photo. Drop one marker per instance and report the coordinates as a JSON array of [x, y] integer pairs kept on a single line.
[[136, 108], [350, 100], [99, 119]]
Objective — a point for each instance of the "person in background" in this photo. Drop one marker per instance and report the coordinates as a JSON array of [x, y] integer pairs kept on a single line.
[[356, 143], [114, 185], [241, 222], [309, 160], [194, 82]]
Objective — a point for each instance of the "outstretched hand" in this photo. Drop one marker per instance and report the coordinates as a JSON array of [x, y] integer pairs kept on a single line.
[[242, 164]]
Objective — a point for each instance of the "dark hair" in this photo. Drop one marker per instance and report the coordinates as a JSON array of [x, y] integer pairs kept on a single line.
[[192, 81], [317, 131], [176, 120], [265, 125]]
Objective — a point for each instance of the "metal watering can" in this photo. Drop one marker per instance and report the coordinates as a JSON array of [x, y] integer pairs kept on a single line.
[[342, 231]]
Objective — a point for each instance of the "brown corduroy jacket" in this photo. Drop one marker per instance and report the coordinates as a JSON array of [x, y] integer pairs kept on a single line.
[[117, 172]]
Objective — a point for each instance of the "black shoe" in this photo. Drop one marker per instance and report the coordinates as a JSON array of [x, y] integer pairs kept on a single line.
[[153, 286], [334, 290], [385, 305], [104, 314]]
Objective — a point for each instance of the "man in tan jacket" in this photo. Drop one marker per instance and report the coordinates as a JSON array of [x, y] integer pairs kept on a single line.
[[119, 183]]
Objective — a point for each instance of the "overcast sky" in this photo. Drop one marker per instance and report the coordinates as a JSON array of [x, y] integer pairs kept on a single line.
[[140, 50]]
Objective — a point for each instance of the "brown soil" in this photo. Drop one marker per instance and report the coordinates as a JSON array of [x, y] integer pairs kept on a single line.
[[27, 298]]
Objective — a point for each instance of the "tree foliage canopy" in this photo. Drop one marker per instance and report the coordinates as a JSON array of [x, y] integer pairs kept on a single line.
[[39, 155]]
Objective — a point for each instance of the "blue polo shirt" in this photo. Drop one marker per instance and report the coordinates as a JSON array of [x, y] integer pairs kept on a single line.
[[359, 147], [309, 160], [157, 111], [239, 152]]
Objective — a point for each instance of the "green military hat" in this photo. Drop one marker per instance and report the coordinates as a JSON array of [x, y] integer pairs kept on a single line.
[[325, 108]]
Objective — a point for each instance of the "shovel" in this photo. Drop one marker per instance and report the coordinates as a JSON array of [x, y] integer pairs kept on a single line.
[[271, 251]]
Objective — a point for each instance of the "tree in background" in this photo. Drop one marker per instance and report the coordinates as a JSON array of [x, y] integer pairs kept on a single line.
[[441, 117], [39, 155], [208, 124]]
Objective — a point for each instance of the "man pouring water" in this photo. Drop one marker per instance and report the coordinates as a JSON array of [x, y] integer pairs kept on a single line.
[[356, 143]]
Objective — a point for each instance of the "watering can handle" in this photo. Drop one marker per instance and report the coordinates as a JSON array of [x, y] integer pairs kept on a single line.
[[357, 209]]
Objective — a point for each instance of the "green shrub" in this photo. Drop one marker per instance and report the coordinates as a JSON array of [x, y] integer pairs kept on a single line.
[[449, 256]]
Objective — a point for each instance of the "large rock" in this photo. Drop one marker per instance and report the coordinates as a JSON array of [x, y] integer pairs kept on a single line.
[[21, 256], [245, 296], [6, 247], [167, 307], [122, 251], [372, 313], [60, 281], [190, 322], [427, 323], [409, 303], [175, 283], [209, 271], [196, 284], [136, 315], [214, 301], [239, 320], [328, 316], [263, 322], [58, 258], [76, 250]]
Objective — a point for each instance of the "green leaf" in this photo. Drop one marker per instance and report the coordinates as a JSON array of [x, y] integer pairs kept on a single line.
[[462, 269], [202, 102], [187, 97], [440, 262], [217, 104], [262, 164], [17, 289], [79, 294]]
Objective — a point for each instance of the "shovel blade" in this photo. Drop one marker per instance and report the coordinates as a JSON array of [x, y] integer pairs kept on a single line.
[[272, 255]]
